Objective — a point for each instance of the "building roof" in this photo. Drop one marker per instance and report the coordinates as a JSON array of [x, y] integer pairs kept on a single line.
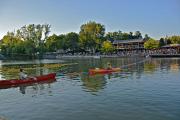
[[128, 41]]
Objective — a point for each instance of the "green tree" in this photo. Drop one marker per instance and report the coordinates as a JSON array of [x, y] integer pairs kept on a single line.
[[72, 41], [55, 42], [138, 35], [28, 39], [130, 35], [146, 37], [10, 44], [175, 39], [51, 43], [161, 42], [111, 36], [151, 43], [91, 36], [168, 41], [107, 47], [37, 34]]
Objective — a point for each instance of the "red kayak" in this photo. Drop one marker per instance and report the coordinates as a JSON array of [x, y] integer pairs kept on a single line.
[[15, 82], [103, 71]]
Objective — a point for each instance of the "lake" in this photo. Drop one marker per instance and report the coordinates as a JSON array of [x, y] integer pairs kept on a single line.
[[145, 89]]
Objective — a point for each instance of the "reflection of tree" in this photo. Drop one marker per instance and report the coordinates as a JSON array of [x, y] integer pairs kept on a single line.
[[174, 67], [22, 89], [36, 88], [93, 83], [149, 67]]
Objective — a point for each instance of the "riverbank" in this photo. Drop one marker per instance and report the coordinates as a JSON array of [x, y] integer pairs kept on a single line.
[[110, 56]]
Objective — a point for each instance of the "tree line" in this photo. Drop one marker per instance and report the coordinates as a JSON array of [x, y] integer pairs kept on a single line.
[[152, 43], [34, 40]]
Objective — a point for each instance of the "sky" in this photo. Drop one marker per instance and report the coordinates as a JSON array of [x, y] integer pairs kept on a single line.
[[157, 18]]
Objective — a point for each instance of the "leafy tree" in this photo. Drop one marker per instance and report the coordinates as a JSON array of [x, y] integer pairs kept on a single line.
[[138, 35], [28, 39], [55, 42], [107, 47], [71, 41], [146, 37], [151, 43], [111, 36], [168, 41], [161, 42], [175, 39], [130, 35], [10, 44], [52, 43], [125, 36], [91, 36]]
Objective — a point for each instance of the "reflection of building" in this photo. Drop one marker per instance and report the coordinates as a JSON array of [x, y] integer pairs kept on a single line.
[[174, 67], [132, 44]]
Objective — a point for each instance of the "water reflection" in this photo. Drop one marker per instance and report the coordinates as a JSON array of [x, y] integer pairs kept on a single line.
[[145, 89], [37, 89], [93, 83], [135, 68]]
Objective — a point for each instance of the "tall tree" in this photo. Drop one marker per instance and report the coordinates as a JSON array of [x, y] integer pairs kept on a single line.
[[138, 35], [91, 35], [72, 41], [161, 42], [175, 39], [146, 37], [151, 43], [107, 47], [31, 36]]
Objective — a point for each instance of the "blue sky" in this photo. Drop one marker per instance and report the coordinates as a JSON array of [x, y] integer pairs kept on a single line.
[[157, 18]]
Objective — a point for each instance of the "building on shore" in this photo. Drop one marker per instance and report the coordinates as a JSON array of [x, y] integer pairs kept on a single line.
[[131, 44]]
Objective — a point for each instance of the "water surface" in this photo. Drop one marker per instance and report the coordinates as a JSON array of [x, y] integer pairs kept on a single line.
[[145, 89]]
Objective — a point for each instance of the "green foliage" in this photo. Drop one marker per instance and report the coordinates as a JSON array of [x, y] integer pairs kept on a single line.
[[175, 39], [107, 47], [53, 43], [122, 36], [72, 41], [168, 41], [146, 37], [161, 42], [91, 36], [11, 44], [29, 40], [34, 40], [151, 43], [69, 41]]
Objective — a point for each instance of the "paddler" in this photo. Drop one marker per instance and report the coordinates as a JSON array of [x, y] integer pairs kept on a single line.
[[109, 67], [23, 75]]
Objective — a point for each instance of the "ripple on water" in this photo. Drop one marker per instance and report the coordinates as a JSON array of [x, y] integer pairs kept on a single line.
[[146, 91]]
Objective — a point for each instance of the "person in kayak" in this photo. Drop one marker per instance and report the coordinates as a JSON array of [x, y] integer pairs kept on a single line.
[[109, 67], [23, 76]]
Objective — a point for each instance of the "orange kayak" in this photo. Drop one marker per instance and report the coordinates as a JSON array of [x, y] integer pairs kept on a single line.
[[103, 71]]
